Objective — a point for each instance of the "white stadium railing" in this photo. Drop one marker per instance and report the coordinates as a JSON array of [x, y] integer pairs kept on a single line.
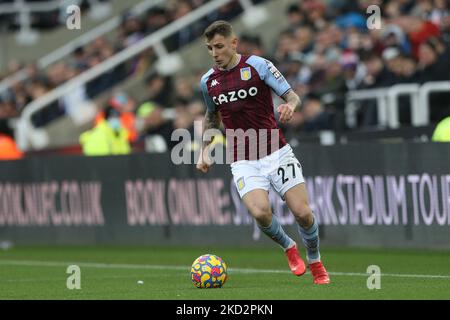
[[28, 137], [82, 40], [360, 95], [387, 102], [424, 102], [393, 94]]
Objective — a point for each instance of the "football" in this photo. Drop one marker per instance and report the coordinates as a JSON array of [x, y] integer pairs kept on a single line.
[[209, 271]]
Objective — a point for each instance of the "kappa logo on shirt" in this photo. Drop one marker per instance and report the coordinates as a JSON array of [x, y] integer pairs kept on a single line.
[[214, 83]]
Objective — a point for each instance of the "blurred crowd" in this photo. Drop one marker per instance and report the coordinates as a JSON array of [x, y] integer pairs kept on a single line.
[[132, 29], [141, 117], [329, 50], [326, 51]]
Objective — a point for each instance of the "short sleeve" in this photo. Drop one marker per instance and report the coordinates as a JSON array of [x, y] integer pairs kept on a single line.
[[269, 74], [203, 87]]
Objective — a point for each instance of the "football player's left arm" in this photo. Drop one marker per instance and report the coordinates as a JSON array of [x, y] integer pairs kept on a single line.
[[286, 110]]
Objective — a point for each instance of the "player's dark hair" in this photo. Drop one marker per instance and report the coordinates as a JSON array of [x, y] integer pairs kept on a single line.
[[218, 27]]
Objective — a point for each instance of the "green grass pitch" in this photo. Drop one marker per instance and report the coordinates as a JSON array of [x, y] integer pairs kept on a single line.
[[254, 273]]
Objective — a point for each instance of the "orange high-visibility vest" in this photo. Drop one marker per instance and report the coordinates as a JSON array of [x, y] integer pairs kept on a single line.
[[127, 119], [8, 148]]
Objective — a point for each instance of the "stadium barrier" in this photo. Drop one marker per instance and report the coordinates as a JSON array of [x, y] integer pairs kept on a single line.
[[363, 195], [387, 102]]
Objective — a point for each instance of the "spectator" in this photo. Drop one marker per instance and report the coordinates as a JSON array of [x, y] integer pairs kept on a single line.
[[434, 65], [312, 117], [184, 91], [354, 72], [445, 30], [351, 21], [315, 13], [395, 63], [377, 75], [79, 59], [395, 9], [408, 70], [286, 45], [54, 110], [442, 131], [315, 116], [393, 36], [154, 127], [304, 37], [108, 137], [418, 31], [332, 87], [7, 107], [392, 59], [422, 9], [159, 89], [126, 106], [439, 11], [76, 97], [295, 16], [186, 34], [8, 148], [296, 70], [131, 30], [156, 19]]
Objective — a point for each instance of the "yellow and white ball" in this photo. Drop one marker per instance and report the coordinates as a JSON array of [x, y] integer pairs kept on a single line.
[[209, 271]]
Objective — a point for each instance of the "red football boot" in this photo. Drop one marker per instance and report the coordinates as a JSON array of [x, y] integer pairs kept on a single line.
[[319, 273], [295, 261]]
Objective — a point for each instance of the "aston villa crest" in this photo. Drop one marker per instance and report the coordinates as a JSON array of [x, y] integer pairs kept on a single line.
[[246, 74]]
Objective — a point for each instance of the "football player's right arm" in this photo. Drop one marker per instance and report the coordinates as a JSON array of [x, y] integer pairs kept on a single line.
[[211, 121]]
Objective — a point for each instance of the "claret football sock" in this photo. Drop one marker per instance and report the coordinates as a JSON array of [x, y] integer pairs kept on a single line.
[[276, 232], [310, 238]]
